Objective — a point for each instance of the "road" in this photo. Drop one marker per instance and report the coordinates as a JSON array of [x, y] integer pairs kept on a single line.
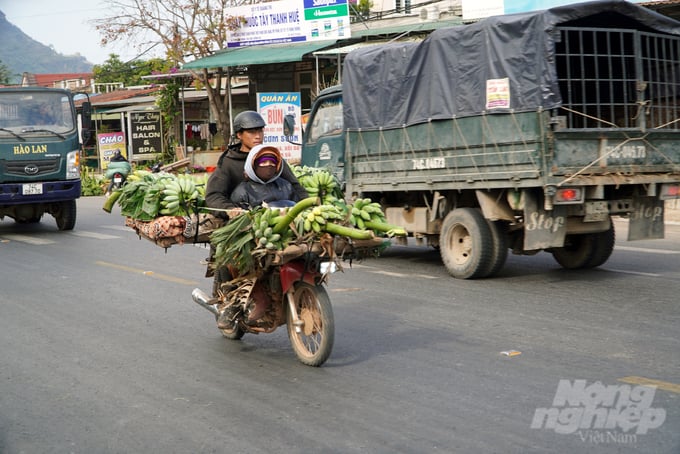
[[104, 352]]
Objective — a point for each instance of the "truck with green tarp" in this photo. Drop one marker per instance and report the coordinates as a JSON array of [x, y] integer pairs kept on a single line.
[[520, 133]]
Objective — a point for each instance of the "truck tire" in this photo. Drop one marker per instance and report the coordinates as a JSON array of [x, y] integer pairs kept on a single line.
[[66, 215], [585, 251], [466, 244], [603, 247], [500, 247]]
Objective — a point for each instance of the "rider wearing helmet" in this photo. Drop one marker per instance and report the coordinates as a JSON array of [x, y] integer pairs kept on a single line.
[[249, 131], [117, 164]]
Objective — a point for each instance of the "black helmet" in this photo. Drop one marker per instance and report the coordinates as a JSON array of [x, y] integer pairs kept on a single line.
[[248, 119]]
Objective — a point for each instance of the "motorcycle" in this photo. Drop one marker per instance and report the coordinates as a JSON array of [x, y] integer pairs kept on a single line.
[[117, 180], [287, 289]]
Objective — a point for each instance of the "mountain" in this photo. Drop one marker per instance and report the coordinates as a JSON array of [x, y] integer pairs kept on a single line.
[[20, 53]]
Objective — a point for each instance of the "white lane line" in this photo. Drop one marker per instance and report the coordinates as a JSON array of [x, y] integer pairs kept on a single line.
[[118, 227], [27, 239], [374, 270], [637, 273], [95, 235], [648, 250]]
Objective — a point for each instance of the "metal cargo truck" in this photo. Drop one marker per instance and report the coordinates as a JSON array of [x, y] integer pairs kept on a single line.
[[39, 154], [524, 132]]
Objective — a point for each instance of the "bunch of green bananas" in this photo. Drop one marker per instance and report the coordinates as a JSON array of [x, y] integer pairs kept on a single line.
[[363, 210], [179, 195], [263, 223], [314, 219], [137, 175], [319, 182], [366, 214]]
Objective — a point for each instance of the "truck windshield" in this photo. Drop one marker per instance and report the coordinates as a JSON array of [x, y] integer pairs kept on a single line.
[[327, 119], [35, 113]]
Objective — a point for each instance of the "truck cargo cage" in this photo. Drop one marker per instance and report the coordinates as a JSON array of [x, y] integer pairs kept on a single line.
[[615, 78]]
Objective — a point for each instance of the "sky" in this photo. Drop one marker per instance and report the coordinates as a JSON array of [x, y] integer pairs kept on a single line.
[[65, 26]]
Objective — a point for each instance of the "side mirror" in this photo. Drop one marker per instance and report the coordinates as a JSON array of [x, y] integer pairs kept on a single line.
[[288, 125], [86, 121], [86, 115]]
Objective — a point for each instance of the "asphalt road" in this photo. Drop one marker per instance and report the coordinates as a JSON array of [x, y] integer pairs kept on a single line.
[[103, 351]]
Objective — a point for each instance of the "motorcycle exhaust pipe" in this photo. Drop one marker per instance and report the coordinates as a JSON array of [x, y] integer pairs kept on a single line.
[[206, 302]]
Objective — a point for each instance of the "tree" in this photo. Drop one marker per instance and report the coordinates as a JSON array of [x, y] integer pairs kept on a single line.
[[129, 73], [5, 74], [186, 29]]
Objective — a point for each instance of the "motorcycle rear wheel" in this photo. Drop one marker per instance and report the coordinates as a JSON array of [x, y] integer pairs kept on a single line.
[[312, 341]]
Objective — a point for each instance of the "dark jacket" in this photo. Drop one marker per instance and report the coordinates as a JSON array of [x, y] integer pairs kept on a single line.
[[251, 194], [229, 173], [254, 191]]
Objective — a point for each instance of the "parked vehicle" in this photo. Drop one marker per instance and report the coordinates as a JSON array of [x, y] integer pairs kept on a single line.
[[39, 154], [524, 132]]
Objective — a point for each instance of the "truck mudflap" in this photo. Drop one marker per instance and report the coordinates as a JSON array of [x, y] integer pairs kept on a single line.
[[543, 229], [39, 192], [646, 220]]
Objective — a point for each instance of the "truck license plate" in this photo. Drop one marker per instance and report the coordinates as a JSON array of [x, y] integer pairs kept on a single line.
[[32, 188]]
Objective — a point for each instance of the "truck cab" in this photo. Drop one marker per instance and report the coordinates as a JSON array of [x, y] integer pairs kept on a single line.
[[323, 139], [39, 155]]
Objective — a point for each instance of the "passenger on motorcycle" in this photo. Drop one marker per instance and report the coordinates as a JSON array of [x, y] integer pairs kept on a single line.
[[249, 131], [117, 164], [263, 184]]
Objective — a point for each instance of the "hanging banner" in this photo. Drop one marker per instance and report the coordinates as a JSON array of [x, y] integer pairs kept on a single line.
[[146, 135], [107, 144], [290, 22], [282, 115]]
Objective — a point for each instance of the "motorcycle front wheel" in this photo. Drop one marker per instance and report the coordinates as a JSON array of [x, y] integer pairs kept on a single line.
[[312, 338]]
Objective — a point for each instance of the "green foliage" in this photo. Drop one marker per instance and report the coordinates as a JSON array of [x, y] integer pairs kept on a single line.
[[360, 8], [168, 102], [5, 74], [91, 183], [129, 73]]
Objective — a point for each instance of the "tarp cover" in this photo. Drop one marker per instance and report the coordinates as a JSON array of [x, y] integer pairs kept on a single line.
[[497, 65]]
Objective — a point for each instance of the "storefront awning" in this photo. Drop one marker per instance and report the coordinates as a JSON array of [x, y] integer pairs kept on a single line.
[[258, 55]]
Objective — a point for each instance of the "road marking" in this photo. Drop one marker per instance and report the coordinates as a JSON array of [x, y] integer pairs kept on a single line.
[[647, 250], [27, 239], [637, 273], [371, 269], [163, 277], [95, 235], [666, 386], [118, 227]]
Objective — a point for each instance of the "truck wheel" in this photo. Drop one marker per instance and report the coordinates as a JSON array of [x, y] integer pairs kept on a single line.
[[500, 247], [466, 244], [66, 215], [603, 247], [585, 251]]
